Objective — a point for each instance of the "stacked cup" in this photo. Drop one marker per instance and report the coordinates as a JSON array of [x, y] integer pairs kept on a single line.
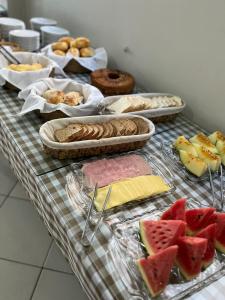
[[28, 40], [8, 24], [37, 23], [51, 34]]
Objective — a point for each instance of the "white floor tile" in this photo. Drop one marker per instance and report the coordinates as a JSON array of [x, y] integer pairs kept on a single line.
[[56, 260], [19, 192], [57, 286], [22, 234], [17, 281], [7, 178]]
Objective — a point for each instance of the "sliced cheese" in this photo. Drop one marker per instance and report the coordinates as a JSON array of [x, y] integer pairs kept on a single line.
[[131, 189]]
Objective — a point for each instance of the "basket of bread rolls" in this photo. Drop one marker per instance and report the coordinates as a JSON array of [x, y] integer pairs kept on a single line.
[[31, 67], [76, 55], [95, 135], [59, 98]]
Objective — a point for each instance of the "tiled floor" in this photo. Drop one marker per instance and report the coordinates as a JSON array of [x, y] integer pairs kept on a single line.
[[31, 265]]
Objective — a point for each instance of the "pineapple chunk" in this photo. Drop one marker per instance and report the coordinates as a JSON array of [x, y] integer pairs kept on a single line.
[[217, 136], [182, 143], [193, 164], [211, 159], [203, 140]]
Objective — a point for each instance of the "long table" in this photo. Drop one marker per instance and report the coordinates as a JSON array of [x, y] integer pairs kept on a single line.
[[44, 178]]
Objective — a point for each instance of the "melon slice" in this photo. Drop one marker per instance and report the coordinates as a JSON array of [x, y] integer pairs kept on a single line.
[[220, 233], [220, 145], [176, 211], [155, 270], [191, 250], [203, 140], [158, 235], [197, 219], [211, 159], [216, 136], [182, 143], [193, 164], [210, 234], [221, 149]]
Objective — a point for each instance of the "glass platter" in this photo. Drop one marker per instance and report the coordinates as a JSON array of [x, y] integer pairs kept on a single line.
[[126, 247], [78, 191], [171, 157]]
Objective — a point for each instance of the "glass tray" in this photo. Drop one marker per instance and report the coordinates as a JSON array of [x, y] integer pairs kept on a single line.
[[78, 191], [171, 157], [126, 247]]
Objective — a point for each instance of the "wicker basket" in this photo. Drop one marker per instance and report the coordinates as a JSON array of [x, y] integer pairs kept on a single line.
[[58, 114], [92, 147], [63, 154], [74, 67], [164, 119]]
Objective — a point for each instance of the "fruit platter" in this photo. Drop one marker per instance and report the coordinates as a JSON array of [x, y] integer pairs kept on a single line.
[[133, 177], [197, 157], [170, 251]]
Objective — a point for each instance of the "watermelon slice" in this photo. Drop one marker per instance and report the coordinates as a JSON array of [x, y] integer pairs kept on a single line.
[[191, 250], [197, 219], [176, 211], [220, 233], [215, 218], [158, 235], [210, 234], [155, 270]]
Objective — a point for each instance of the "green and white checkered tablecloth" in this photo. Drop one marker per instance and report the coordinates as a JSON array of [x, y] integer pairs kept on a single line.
[[44, 178]]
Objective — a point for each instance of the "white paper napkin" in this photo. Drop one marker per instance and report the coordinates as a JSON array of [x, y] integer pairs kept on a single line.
[[98, 61], [34, 100], [22, 79]]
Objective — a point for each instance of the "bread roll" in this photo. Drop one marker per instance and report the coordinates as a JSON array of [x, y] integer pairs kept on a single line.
[[59, 52], [87, 52], [66, 39], [73, 98], [74, 51], [63, 46], [54, 96], [80, 42]]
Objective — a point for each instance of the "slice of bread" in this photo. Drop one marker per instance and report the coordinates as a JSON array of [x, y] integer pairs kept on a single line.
[[69, 133]]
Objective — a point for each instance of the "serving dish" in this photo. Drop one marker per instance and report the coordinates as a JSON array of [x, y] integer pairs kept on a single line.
[[91, 147], [157, 115], [79, 190], [171, 157], [21, 80], [126, 248], [33, 96]]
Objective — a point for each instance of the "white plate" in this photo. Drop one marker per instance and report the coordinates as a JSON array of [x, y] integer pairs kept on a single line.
[[148, 113]]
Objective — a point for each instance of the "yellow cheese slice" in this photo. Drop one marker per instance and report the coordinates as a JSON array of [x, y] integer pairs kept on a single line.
[[131, 189]]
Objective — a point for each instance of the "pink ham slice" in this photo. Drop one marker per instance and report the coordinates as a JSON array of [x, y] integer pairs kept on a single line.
[[105, 171]]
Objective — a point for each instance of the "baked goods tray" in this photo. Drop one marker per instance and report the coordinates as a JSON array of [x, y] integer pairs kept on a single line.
[[79, 191], [148, 113], [126, 247]]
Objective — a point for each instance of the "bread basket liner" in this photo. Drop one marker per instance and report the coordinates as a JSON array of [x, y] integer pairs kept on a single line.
[[34, 100], [148, 113], [98, 61], [47, 133], [23, 79]]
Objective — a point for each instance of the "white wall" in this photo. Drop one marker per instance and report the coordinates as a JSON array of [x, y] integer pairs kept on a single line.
[[176, 46]]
